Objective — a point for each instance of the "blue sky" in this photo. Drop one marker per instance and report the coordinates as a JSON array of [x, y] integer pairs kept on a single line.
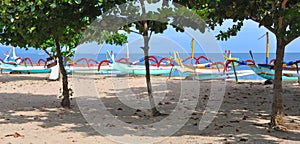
[[246, 39]]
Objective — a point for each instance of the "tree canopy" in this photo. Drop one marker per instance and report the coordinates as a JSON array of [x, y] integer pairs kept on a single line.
[[47, 23], [267, 13], [147, 18], [281, 17], [37, 24]]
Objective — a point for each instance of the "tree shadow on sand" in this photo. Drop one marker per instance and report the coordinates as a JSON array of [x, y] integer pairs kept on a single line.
[[21, 77], [242, 117]]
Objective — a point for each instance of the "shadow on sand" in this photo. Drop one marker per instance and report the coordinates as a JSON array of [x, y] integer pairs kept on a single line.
[[242, 117]]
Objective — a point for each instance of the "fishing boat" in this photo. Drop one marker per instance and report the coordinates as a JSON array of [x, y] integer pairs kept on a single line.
[[90, 68], [290, 69], [140, 69], [13, 64], [201, 71], [29, 69], [207, 70], [9, 60], [11, 57], [6, 65], [136, 69], [289, 73]]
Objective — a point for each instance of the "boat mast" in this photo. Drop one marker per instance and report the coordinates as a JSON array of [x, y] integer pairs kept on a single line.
[[193, 51], [127, 52], [267, 48]]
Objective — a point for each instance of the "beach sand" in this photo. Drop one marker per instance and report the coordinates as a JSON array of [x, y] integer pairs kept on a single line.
[[30, 110]]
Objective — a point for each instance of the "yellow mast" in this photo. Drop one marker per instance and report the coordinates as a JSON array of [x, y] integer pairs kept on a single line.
[[193, 48], [267, 48], [127, 52]]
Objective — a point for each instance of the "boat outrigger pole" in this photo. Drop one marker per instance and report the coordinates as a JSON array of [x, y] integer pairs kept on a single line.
[[193, 51], [127, 52], [267, 48]]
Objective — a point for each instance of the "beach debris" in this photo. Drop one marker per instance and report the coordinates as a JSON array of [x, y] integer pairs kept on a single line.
[[243, 139], [109, 125], [15, 135], [121, 75], [234, 121], [164, 103], [194, 113], [194, 118], [280, 128], [226, 141], [167, 103], [245, 117], [42, 126], [268, 82]]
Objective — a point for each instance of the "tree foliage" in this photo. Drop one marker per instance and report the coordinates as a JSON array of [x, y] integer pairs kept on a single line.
[[281, 17], [36, 23], [265, 12], [134, 17], [47, 23]]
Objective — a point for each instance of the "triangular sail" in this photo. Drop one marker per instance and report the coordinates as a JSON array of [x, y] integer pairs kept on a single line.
[[11, 56]]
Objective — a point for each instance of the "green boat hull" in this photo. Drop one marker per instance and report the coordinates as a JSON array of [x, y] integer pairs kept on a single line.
[[7, 66], [267, 73], [30, 69], [139, 70]]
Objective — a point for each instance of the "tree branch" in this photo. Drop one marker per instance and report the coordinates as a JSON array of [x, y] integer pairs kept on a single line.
[[132, 31], [291, 39], [139, 24], [150, 35], [267, 27], [136, 32], [283, 4], [48, 53], [270, 29]]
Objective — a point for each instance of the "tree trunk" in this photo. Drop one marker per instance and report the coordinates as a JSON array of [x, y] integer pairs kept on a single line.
[[154, 111], [277, 106], [65, 101]]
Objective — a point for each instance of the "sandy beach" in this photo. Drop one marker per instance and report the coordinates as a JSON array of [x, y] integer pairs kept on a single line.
[[30, 110]]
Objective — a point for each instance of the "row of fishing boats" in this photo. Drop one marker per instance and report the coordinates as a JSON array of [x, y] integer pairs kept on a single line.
[[201, 67]]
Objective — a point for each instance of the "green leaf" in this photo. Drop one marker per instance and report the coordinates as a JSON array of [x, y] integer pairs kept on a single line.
[[53, 6], [77, 1]]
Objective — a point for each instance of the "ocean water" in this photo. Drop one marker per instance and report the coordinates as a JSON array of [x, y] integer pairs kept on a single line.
[[36, 55]]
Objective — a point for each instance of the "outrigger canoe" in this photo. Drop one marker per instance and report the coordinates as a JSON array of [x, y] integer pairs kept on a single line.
[[140, 69], [107, 69], [136, 69], [24, 69], [266, 71], [30, 69], [201, 71]]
